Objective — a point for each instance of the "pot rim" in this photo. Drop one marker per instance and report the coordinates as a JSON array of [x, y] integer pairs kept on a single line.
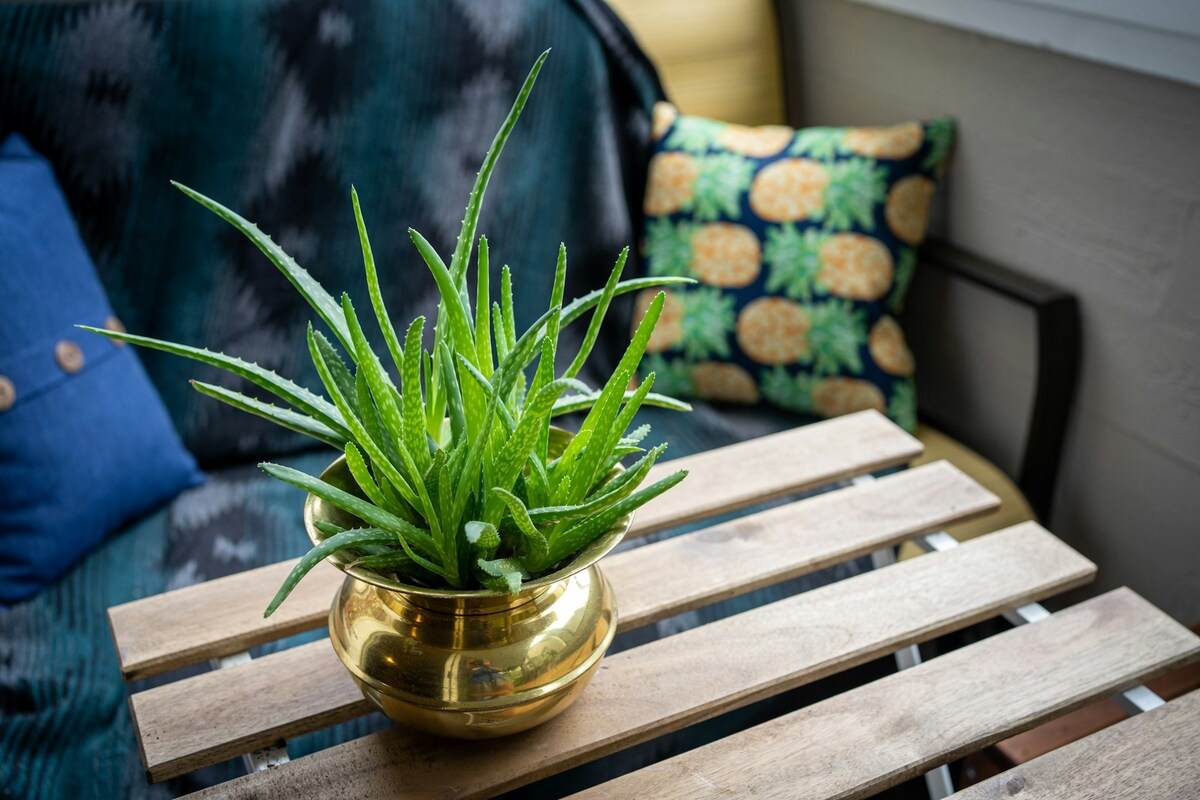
[[601, 546]]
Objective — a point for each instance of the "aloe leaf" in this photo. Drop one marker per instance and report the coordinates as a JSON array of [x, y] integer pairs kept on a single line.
[[385, 398], [327, 528], [377, 304], [362, 476], [519, 357], [483, 327], [425, 563], [366, 511], [545, 369], [289, 392], [592, 462], [337, 368], [500, 336], [593, 440], [483, 538], [384, 562], [485, 386], [357, 428], [636, 435], [284, 417], [466, 235], [517, 449], [502, 574], [507, 315], [389, 412], [537, 549], [583, 533], [456, 309], [433, 395], [593, 329], [621, 485], [413, 412], [581, 305], [454, 401], [537, 482], [339, 541], [312, 291], [576, 402]]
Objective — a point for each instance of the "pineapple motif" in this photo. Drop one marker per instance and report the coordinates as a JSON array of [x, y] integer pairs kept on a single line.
[[819, 143], [673, 377], [694, 134], [833, 397], [794, 260], [669, 330], [771, 330], [725, 254], [718, 186], [698, 321], [888, 348], [726, 383], [793, 392], [668, 247], [940, 133], [856, 186], [836, 334], [707, 319], [855, 266], [906, 264], [903, 405], [907, 210], [760, 142], [664, 114], [897, 141], [670, 182], [789, 189]]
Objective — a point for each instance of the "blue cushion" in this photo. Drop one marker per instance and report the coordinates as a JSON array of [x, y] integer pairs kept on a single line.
[[85, 443]]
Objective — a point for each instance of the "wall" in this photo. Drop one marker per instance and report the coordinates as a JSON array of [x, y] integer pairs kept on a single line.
[[1088, 176]]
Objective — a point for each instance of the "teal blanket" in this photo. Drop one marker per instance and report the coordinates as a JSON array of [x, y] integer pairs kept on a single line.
[[275, 107]]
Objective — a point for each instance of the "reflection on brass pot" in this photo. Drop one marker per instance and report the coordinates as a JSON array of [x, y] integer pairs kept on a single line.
[[470, 664]]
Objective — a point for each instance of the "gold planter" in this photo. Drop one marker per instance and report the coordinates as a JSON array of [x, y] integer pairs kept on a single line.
[[470, 664]]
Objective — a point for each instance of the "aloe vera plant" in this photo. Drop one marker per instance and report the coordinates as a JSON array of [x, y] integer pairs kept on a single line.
[[448, 445]]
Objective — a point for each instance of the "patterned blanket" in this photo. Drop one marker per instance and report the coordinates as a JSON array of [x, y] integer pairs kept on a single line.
[[275, 107]]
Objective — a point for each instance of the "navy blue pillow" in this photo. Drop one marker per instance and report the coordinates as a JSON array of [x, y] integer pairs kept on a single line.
[[85, 442]]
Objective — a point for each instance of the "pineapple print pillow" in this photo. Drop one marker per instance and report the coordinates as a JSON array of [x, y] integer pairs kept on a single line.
[[803, 243]]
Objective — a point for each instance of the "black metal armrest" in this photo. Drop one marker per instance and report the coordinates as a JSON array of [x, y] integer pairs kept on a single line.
[[1058, 351]]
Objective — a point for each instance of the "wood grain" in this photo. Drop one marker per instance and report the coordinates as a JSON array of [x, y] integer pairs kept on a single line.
[[1153, 756], [219, 715], [857, 743], [670, 683], [224, 616]]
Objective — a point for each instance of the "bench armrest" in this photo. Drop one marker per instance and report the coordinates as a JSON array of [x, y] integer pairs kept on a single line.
[[1058, 352]]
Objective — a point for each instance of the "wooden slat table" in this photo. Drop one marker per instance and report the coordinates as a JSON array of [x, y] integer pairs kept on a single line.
[[848, 746]]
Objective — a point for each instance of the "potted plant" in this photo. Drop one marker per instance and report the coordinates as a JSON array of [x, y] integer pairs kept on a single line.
[[467, 524]]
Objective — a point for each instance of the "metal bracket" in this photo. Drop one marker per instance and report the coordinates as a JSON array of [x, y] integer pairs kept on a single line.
[[270, 756], [1134, 701], [937, 781]]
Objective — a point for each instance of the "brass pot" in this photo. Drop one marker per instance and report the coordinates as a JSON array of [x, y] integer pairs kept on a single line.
[[470, 664]]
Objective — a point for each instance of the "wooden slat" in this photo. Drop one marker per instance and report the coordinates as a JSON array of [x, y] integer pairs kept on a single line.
[[224, 616], [220, 715], [1153, 756], [667, 684], [855, 744]]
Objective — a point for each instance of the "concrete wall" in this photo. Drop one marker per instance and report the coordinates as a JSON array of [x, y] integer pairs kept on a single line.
[[1088, 176]]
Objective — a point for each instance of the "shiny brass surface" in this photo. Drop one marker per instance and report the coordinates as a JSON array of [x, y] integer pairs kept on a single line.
[[471, 664]]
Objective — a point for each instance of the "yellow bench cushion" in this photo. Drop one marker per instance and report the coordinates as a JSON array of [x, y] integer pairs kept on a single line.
[[1014, 507]]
